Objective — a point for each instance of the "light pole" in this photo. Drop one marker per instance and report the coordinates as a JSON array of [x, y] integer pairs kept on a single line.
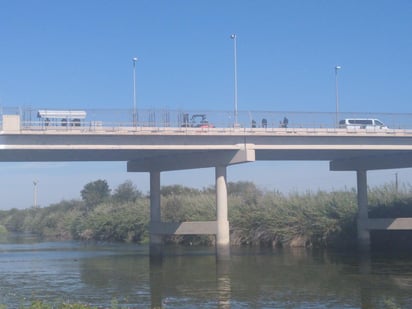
[[134, 92], [234, 38], [338, 67], [35, 182]]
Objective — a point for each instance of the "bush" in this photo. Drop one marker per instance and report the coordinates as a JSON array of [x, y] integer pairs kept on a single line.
[[321, 219], [112, 222]]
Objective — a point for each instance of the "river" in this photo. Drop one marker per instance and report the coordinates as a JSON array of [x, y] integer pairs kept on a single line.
[[121, 275]]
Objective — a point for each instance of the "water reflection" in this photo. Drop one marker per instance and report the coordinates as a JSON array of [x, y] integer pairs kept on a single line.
[[223, 283], [156, 283], [194, 282], [192, 278]]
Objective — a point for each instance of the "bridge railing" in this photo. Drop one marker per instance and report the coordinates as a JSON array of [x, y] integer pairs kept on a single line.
[[157, 119]]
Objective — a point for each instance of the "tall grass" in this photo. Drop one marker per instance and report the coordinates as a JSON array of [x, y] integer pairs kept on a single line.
[[257, 217], [308, 219]]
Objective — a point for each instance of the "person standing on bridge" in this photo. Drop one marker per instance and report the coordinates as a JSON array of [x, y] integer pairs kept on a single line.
[[284, 123]]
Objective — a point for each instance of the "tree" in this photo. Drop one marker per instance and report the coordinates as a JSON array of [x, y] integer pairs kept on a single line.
[[177, 190], [242, 188], [126, 192], [95, 192], [246, 190]]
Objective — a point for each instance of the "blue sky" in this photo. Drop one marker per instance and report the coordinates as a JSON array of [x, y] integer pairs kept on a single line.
[[78, 54]]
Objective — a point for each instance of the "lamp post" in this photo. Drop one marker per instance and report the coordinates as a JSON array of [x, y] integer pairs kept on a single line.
[[234, 38], [35, 182], [337, 68], [134, 92]]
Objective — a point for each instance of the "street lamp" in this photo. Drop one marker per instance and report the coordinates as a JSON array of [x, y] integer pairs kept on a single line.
[[338, 67], [233, 37], [134, 92]]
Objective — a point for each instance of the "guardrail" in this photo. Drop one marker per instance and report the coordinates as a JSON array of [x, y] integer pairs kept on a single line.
[[161, 118]]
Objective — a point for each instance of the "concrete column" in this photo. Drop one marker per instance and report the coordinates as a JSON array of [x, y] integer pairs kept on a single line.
[[222, 235], [362, 222], [155, 239]]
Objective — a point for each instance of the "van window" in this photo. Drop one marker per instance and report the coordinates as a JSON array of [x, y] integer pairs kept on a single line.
[[361, 121]]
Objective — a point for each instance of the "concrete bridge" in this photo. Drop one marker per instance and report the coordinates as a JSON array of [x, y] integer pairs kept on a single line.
[[155, 150]]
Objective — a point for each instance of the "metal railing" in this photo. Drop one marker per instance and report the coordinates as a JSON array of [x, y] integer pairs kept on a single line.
[[161, 119]]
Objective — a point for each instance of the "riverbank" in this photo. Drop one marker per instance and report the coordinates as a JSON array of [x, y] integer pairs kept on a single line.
[[257, 217]]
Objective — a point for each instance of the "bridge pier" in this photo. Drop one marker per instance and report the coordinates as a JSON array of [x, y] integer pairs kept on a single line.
[[362, 219], [220, 227], [156, 250], [361, 165], [222, 233], [218, 159]]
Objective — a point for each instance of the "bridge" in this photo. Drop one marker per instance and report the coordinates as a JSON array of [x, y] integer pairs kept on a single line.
[[148, 147]]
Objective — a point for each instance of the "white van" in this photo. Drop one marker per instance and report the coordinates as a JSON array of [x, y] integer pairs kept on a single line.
[[362, 123]]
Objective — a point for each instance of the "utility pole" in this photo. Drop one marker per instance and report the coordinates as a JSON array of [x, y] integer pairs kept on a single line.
[[396, 182], [35, 182]]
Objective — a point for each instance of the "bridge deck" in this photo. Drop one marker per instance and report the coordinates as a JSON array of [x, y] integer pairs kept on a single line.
[[145, 143]]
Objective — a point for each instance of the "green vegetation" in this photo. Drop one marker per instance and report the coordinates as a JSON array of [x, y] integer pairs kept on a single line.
[[257, 217], [3, 230]]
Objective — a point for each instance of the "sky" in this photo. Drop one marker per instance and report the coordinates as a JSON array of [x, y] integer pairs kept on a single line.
[[78, 54]]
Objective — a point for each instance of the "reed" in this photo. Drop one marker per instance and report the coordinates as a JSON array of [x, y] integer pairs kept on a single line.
[[257, 217]]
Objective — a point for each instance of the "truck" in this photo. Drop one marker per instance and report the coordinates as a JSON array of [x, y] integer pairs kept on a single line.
[[196, 121]]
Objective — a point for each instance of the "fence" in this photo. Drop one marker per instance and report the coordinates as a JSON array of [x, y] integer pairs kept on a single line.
[[160, 118]]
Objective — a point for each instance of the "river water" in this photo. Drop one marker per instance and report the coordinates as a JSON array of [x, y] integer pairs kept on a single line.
[[110, 275]]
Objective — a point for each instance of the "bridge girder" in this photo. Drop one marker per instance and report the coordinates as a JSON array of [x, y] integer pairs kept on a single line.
[[192, 160], [401, 159]]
